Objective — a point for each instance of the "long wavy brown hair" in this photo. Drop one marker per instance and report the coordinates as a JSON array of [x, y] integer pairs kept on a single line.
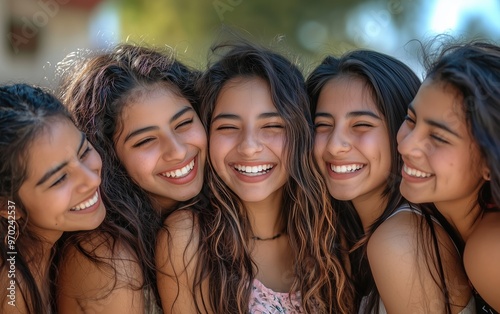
[[393, 85], [224, 260], [95, 88], [25, 112]]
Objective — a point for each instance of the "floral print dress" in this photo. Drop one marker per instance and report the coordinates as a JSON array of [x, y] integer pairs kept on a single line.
[[266, 301]]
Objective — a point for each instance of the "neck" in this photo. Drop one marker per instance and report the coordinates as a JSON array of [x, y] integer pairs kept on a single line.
[[462, 217], [266, 218], [163, 205], [369, 210]]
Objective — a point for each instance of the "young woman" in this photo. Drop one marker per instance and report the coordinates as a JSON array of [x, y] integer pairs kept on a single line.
[[49, 184], [397, 251], [137, 105], [266, 243], [450, 146]]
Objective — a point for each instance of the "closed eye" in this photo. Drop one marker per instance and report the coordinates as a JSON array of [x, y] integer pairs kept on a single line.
[[86, 152], [409, 119], [226, 127], [59, 181], [144, 141], [270, 126], [322, 124], [363, 125], [184, 123], [439, 139]]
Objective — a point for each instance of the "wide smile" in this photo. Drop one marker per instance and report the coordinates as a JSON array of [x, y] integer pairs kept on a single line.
[[415, 173], [348, 168], [87, 203], [254, 170], [180, 172]]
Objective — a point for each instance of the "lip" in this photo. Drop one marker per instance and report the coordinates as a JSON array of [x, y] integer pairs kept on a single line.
[[186, 179], [91, 208], [344, 176], [412, 179], [255, 178]]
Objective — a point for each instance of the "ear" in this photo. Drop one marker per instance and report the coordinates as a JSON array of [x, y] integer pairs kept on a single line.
[[486, 173], [9, 209]]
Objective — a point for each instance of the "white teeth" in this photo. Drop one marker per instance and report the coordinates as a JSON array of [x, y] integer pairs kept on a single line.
[[346, 168], [179, 173], [253, 170], [86, 204], [415, 173]]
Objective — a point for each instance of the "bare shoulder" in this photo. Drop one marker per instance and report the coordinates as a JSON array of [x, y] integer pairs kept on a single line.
[[113, 259], [395, 236], [404, 265], [482, 257], [109, 281]]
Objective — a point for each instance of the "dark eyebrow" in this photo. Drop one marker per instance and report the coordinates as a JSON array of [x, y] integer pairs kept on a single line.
[[442, 126], [151, 128], [434, 123], [351, 114], [139, 131], [54, 170], [180, 113], [236, 117], [323, 114], [354, 114], [225, 116]]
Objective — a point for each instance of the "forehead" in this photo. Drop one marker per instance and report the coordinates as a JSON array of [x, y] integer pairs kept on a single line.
[[345, 94], [440, 99], [150, 103], [251, 94]]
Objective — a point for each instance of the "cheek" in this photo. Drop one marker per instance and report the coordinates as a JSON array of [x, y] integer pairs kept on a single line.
[[197, 137], [319, 147], [277, 143], [139, 164], [216, 152]]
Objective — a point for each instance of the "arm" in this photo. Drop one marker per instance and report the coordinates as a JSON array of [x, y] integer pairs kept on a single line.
[[482, 257], [176, 260], [87, 287], [406, 276]]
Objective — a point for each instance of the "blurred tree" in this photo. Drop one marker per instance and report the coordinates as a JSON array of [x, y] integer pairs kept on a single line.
[[191, 26]]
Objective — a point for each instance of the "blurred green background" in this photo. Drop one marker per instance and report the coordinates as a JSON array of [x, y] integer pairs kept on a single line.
[[39, 33]]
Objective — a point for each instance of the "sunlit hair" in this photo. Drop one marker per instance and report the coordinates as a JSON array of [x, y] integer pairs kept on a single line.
[[393, 85], [26, 112], [473, 70], [96, 89], [224, 259]]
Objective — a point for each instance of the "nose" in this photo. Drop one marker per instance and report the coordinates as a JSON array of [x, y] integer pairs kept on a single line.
[[250, 143], [338, 143], [411, 143], [90, 177], [173, 149]]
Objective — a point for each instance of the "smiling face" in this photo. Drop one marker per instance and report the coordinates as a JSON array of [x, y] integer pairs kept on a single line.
[[163, 146], [63, 176], [351, 144], [441, 160], [247, 138]]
